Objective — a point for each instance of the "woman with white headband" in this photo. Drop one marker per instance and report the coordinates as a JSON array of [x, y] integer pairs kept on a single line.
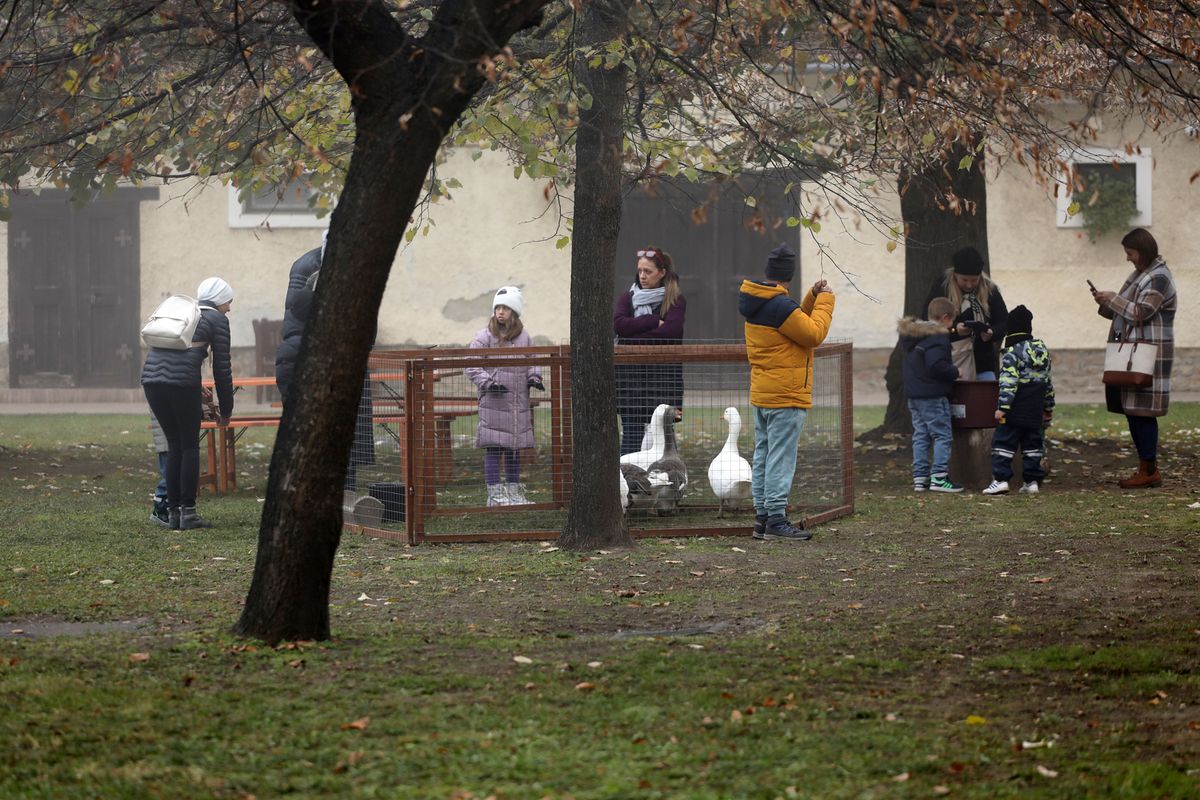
[[171, 380]]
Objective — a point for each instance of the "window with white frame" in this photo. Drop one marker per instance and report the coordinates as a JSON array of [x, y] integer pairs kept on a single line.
[[277, 207], [1102, 166]]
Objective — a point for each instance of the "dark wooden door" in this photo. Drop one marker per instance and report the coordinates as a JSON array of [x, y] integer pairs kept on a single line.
[[74, 286], [713, 250]]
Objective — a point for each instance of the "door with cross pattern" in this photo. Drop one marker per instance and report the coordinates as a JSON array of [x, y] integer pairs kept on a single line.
[[74, 291]]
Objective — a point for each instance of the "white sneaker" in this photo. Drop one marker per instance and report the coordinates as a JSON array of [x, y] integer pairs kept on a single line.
[[516, 494], [497, 496], [997, 487], [1030, 487], [920, 484]]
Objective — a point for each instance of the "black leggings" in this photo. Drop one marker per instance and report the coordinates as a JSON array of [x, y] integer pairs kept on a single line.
[[1144, 431], [178, 411]]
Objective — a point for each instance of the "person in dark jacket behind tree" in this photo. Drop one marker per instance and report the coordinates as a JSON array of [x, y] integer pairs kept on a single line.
[[296, 305], [929, 375], [651, 312], [171, 380], [301, 292]]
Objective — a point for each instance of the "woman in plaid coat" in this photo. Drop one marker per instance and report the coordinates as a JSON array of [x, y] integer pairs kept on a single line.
[[1144, 310]]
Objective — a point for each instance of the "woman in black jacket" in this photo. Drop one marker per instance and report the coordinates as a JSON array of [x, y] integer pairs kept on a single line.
[[982, 314], [301, 293], [171, 381]]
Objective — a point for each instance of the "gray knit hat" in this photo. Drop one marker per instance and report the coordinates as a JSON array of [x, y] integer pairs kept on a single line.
[[781, 264]]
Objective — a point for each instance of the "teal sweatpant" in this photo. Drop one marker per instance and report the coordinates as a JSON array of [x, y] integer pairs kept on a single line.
[[776, 434]]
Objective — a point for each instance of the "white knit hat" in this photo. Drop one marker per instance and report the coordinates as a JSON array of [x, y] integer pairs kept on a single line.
[[214, 292], [509, 296]]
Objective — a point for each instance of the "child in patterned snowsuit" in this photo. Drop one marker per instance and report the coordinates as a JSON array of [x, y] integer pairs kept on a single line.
[[1026, 404]]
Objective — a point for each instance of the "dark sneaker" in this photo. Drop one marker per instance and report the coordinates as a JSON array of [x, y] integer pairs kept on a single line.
[[760, 526], [780, 528], [160, 515], [942, 483], [190, 520]]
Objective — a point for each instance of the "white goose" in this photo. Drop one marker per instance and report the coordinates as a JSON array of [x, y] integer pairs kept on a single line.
[[656, 442], [623, 489], [729, 474]]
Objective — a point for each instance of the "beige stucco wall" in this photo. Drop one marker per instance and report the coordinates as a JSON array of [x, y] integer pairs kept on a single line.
[[850, 251], [1032, 260], [497, 230], [493, 231]]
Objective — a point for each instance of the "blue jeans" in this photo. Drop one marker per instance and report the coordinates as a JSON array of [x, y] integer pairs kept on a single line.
[[931, 424], [160, 491], [776, 433]]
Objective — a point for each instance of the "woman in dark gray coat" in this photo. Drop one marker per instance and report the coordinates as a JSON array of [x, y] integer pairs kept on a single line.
[[171, 380]]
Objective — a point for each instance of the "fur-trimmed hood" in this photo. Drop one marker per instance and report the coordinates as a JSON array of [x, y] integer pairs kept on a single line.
[[913, 328]]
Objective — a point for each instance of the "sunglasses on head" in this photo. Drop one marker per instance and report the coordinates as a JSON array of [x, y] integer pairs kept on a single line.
[[653, 255]]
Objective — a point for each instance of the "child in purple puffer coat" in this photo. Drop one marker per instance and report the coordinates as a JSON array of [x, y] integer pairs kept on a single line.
[[505, 419]]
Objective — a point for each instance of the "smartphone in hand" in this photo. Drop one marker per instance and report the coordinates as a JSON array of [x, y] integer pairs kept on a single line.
[[1091, 285]]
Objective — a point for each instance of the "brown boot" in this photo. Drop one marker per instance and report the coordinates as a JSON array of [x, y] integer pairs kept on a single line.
[[1147, 475]]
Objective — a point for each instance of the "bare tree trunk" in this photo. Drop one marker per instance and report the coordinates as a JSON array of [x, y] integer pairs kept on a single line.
[[594, 518], [407, 94], [944, 209]]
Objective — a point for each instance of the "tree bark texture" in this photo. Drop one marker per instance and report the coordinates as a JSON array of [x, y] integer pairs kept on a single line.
[[407, 92], [595, 518], [944, 209]]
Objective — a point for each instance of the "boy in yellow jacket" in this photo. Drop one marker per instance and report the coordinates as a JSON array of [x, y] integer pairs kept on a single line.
[[780, 338]]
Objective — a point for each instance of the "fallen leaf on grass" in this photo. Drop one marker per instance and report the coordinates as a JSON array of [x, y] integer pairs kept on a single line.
[[1046, 772], [699, 573], [1036, 745], [855, 606], [585, 686], [901, 778], [1040, 580], [974, 719], [137, 658], [523, 659], [358, 724]]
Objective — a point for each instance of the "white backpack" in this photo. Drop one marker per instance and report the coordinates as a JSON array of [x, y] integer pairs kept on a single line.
[[173, 324]]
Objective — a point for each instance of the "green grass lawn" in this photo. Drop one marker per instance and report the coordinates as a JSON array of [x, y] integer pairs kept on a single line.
[[955, 646]]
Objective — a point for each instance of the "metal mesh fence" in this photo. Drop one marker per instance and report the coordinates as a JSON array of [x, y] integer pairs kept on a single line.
[[469, 445]]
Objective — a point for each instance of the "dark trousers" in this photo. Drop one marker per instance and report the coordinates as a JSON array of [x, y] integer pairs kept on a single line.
[[1005, 442], [178, 411], [1144, 431]]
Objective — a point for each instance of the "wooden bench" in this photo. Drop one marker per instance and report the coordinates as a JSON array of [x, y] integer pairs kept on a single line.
[[219, 468], [220, 474]]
